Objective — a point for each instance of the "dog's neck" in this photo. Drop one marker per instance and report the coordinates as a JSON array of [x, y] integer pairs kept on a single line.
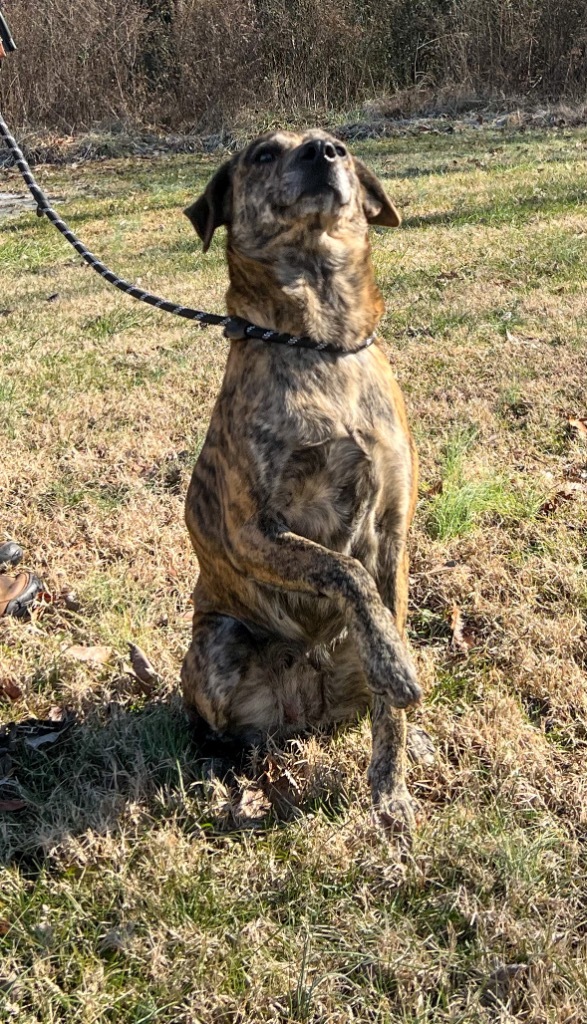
[[323, 290]]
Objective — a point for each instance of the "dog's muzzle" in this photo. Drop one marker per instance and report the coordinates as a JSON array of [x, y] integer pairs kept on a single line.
[[321, 170]]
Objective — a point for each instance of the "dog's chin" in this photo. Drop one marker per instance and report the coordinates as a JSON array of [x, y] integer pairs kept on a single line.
[[324, 201]]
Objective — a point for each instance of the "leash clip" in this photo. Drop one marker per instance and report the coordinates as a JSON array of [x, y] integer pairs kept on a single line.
[[7, 44]]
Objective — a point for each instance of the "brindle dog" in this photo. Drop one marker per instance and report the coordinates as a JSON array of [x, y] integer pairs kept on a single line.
[[302, 496]]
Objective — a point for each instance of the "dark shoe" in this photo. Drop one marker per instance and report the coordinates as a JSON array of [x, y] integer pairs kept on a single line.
[[10, 553], [17, 594]]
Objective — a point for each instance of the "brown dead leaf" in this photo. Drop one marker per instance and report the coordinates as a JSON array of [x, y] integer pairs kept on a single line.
[[434, 489], [5, 926], [576, 473], [252, 807], [566, 493], [282, 789], [462, 639], [57, 714], [448, 275], [578, 427], [142, 667], [69, 600], [93, 655], [12, 805], [9, 689]]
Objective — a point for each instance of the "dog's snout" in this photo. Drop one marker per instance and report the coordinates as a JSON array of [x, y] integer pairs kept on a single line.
[[318, 150]]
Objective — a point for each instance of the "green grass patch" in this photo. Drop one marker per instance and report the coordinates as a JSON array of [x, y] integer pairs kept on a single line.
[[463, 504]]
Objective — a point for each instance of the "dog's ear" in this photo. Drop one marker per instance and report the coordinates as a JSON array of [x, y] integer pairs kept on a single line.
[[213, 207], [377, 206]]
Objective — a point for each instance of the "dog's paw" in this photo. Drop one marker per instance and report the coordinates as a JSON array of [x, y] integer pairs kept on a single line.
[[395, 815], [393, 676], [388, 666]]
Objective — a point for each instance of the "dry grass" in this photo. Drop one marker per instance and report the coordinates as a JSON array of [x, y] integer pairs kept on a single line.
[[129, 891]]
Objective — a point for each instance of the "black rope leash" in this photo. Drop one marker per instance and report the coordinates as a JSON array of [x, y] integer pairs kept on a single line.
[[235, 327]]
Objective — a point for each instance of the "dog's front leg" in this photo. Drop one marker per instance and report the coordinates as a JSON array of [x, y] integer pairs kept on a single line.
[[272, 555], [393, 805]]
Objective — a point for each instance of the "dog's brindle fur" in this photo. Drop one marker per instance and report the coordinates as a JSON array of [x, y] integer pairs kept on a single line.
[[301, 498]]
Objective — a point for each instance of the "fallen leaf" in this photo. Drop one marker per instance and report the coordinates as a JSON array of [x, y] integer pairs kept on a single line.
[[282, 789], [142, 667], [12, 805], [9, 689], [57, 714], [566, 493], [576, 473], [450, 566], [93, 655], [447, 275], [69, 599], [252, 807], [5, 926], [461, 639], [435, 488], [578, 427]]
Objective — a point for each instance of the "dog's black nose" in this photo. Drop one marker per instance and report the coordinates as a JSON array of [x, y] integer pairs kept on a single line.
[[317, 150]]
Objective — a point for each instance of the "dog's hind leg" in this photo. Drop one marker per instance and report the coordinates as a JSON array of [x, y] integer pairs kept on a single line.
[[247, 685]]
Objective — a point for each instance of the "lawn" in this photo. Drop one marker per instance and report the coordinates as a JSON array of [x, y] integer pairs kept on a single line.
[[138, 883]]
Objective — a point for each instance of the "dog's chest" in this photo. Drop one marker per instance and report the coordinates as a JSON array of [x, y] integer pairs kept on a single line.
[[326, 491]]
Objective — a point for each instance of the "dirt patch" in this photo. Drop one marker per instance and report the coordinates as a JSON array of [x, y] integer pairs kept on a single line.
[[12, 204]]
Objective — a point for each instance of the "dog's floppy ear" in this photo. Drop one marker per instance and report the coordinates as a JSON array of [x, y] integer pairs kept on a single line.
[[377, 206], [213, 207]]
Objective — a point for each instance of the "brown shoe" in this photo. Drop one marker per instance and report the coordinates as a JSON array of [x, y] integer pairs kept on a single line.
[[17, 593]]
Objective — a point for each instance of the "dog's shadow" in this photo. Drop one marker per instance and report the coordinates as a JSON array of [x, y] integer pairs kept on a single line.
[[126, 764]]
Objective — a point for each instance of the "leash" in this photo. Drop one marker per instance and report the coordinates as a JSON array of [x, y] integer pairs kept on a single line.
[[235, 328]]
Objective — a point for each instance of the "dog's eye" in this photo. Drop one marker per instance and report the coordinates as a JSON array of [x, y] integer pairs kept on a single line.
[[340, 150], [265, 156]]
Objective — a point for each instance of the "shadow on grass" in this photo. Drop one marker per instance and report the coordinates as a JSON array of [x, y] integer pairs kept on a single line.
[[512, 210], [130, 768]]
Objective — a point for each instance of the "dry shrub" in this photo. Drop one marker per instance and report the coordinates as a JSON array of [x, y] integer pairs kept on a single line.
[[531, 46], [185, 63], [76, 62], [211, 63]]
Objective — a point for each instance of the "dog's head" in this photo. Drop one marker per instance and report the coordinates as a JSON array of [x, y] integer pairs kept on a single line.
[[285, 184]]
